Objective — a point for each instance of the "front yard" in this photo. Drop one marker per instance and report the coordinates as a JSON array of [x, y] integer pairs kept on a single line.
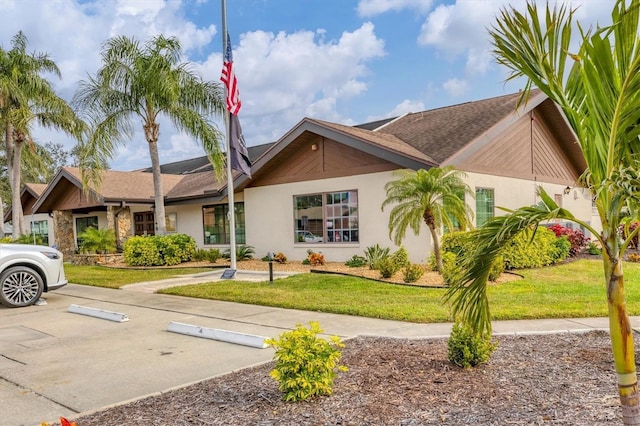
[[574, 289]]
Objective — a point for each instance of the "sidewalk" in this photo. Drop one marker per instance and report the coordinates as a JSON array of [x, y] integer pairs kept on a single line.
[[153, 286], [55, 363]]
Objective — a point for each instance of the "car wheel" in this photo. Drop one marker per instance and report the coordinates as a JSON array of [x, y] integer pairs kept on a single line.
[[20, 286]]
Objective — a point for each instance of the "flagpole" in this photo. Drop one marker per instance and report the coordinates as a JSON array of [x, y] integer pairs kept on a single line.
[[230, 186]]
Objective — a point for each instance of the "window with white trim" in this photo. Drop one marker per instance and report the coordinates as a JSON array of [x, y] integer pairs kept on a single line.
[[328, 217]]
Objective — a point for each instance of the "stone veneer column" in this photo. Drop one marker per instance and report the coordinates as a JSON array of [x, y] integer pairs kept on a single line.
[[124, 225], [63, 231]]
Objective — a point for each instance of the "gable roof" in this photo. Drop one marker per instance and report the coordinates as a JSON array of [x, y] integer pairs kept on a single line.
[[415, 140], [115, 187], [442, 132]]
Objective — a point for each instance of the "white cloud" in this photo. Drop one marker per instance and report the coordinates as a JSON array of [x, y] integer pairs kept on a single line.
[[377, 7], [284, 77], [456, 87]]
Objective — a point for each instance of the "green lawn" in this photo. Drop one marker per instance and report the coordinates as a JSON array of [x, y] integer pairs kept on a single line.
[[571, 290], [101, 276]]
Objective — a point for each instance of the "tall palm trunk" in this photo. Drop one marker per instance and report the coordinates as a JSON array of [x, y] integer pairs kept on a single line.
[[437, 252], [152, 130], [13, 146], [621, 335]]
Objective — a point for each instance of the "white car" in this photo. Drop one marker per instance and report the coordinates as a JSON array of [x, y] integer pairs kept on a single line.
[[308, 237], [26, 271]]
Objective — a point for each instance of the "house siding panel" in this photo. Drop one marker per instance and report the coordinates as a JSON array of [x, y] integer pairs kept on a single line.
[[330, 159], [527, 150]]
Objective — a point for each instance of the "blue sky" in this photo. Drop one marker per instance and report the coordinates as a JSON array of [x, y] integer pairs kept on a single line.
[[347, 61]]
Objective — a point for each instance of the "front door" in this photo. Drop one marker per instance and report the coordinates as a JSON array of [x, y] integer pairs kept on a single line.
[[144, 223]]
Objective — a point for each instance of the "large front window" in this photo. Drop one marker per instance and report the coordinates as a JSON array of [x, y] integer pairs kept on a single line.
[[41, 229], [216, 224], [484, 205], [82, 223], [326, 217]]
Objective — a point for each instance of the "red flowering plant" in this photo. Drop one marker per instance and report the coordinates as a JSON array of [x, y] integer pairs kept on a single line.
[[575, 236]]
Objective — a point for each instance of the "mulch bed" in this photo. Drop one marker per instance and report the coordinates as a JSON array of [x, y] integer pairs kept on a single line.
[[566, 379]]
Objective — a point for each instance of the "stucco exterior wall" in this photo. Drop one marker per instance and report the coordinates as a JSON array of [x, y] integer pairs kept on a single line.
[[270, 216], [513, 193], [270, 219]]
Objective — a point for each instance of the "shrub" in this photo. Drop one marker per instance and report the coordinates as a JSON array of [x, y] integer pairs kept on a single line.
[[525, 252], [633, 257], [467, 348], [30, 239], [280, 257], [575, 236], [594, 249], [401, 257], [243, 252], [388, 267], [306, 365], [412, 273], [356, 261], [5, 240], [141, 251], [158, 250], [449, 265], [375, 254], [183, 245], [212, 255], [563, 248], [316, 259], [97, 240], [496, 269]]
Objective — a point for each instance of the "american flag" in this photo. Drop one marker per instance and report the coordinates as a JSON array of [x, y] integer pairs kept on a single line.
[[230, 81]]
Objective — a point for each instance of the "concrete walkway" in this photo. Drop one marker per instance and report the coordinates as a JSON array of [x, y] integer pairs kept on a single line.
[[56, 363]]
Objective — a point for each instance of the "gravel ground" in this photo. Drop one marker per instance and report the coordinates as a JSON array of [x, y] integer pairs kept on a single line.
[[565, 379]]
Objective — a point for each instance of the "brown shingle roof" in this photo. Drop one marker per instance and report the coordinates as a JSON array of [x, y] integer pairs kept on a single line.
[[385, 140], [442, 132], [127, 185]]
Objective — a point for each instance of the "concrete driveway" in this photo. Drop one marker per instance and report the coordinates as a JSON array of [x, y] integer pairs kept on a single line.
[[56, 363]]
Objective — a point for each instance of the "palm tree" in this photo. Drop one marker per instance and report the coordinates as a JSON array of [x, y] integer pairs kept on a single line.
[[144, 82], [600, 96], [434, 196], [27, 98]]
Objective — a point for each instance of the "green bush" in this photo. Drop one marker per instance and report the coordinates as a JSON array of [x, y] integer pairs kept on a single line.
[[211, 255], [461, 244], [242, 252], [466, 348], [306, 365], [412, 273], [356, 261], [594, 249], [184, 246], [497, 268], [142, 251], [375, 254], [388, 267], [563, 249], [158, 250], [401, 257], [97, 241], [525, 252], [30, 239]]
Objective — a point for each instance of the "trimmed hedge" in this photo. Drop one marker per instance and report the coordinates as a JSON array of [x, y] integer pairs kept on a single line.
[[159, 250]]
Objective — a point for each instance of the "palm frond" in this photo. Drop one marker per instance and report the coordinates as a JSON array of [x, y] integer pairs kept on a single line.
[[467, 294]]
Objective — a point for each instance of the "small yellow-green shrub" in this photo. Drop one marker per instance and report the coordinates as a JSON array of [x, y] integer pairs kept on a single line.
[[466, 348], [412, 273], [306, 364]]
